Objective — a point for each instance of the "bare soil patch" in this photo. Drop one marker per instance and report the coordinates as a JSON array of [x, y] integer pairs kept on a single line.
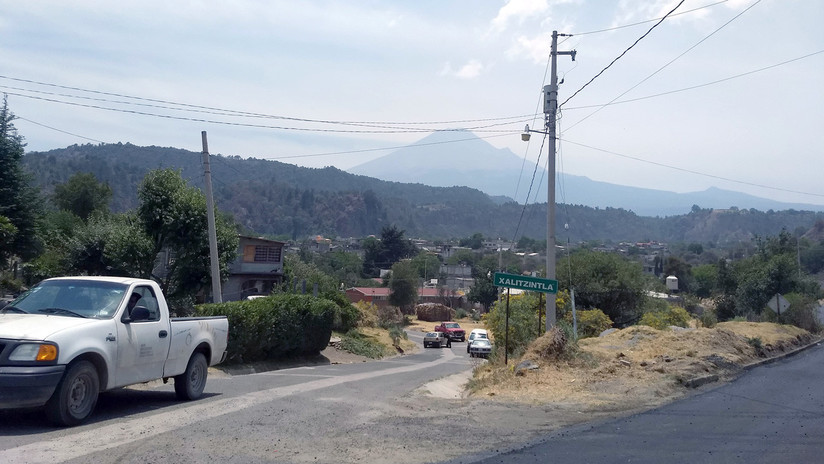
[[638, 367]]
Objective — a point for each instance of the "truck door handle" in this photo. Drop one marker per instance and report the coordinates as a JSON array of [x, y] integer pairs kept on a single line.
[[162, 334]]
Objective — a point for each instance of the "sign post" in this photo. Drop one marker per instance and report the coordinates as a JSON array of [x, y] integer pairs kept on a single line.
[[532, 284]]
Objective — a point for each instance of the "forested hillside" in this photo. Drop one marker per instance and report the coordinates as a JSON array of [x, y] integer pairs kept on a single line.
[[274, 198]]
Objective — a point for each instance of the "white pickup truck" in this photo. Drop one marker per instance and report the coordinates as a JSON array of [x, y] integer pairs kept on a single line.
[[69, 338]]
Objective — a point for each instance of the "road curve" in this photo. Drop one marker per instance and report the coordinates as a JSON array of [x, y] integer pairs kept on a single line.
[[772, 414]]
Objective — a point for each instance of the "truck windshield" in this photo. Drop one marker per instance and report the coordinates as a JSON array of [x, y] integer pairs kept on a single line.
[[72, 298]]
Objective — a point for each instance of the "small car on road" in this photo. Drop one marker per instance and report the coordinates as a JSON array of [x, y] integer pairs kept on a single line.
[[476, 334], [480, 348], [436, 340]]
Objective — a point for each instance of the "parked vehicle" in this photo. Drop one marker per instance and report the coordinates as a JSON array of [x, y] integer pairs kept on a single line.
[[476, 334], [452, 330], [481, 347], [436, 340], [67, 339]]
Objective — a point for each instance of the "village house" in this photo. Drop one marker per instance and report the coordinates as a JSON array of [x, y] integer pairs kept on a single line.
[[257, 269]]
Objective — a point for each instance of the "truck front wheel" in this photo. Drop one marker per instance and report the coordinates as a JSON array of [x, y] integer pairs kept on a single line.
[[190, 384], [76, 395]]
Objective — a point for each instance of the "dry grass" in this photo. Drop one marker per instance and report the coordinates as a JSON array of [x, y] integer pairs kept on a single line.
[[634, 368], [382, 336]]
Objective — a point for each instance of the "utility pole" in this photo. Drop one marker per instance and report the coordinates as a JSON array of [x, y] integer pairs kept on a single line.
[[550, 114], [210, 217]]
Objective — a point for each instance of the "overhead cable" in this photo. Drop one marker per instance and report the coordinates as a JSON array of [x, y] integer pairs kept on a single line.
[[666, 65], [622, 54], [692, 171]]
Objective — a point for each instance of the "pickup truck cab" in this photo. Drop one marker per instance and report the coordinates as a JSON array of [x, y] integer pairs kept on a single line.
[[69, 338], [452, 330]]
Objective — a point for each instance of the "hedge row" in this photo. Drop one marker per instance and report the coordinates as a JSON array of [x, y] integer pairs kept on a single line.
[[278, 326]]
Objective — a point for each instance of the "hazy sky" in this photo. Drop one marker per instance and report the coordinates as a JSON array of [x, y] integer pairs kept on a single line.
[[735, 87]]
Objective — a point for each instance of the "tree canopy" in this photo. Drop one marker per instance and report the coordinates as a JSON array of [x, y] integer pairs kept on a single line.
[[20, 201], [606, 281], [82, 194], [404, 286], [383, 253], [173, 216]]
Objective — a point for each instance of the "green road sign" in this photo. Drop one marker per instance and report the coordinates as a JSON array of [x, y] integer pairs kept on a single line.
[[533, 284]]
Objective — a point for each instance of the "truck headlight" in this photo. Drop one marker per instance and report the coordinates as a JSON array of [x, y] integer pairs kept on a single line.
[[34, 352]]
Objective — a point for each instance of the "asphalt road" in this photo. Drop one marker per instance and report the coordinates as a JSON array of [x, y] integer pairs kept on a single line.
[[372, 413], [322, 413], [772, 414]]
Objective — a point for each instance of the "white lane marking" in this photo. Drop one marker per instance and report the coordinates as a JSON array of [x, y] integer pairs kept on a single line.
[[99, 439]]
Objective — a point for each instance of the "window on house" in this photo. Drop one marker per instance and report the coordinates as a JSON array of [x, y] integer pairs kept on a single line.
[[261, 254]]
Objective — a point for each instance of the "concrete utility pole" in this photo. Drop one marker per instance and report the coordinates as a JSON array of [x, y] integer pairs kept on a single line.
[[550, 114], [210, 217]]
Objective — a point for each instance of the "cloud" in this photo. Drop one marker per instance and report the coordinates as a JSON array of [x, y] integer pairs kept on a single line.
[[470, 70], [535, 48], [520, 9]]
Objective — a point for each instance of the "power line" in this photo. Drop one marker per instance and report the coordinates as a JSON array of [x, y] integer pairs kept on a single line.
[[667, 64], [228, 112], [264, 126], [691, 171], [649, 20], [706, 84], [58, 130], [367, 150], [622, 54], [526, 201]]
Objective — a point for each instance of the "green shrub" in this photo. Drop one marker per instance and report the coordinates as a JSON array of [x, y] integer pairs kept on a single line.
[[755, 342], [367, 314], [389, 316], [708, 319], [278, 326], [662, 318], [801, 313], [460, 313], [10, 285], [346, 317], [523, 322], [355, 342], [396, 333], [592, 322]]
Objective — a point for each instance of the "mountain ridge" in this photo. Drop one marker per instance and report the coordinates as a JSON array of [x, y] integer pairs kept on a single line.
[[287, 201], [438, 160]]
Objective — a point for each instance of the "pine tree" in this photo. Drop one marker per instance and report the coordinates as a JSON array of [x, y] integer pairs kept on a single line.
[[20, 201]]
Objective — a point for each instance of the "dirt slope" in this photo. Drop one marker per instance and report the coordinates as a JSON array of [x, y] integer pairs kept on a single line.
[[637, 367]]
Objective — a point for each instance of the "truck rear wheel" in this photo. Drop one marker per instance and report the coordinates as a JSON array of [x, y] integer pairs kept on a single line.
[[190, 384], [76, 395]]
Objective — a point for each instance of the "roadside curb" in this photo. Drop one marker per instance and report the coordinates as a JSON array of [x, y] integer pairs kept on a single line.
[[696, 382], [782, 356]]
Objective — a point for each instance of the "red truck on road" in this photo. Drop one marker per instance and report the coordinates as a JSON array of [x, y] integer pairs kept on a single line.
[[452, 330]]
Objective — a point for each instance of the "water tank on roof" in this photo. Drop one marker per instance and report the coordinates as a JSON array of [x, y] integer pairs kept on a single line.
[[672, 283]]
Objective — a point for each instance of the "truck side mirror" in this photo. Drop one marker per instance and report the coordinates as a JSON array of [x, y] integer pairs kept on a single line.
[[139, 313]]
